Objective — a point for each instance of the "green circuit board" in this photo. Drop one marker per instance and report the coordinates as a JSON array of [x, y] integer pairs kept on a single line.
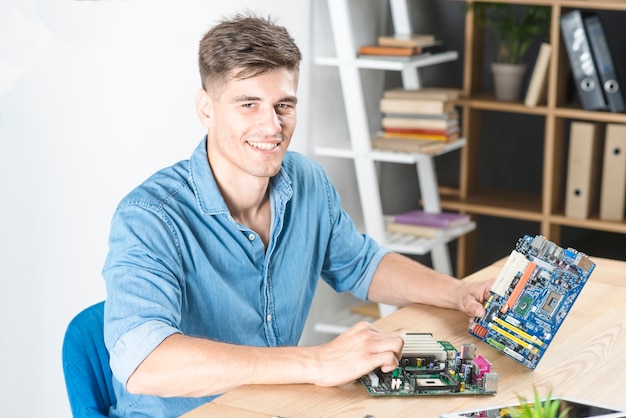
[[434, 368]]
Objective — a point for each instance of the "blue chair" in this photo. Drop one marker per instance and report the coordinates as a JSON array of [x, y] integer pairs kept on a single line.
[[88, 376]]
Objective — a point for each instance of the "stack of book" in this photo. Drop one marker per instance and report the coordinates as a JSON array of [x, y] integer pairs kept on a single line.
[[425, 224], [401, 46], [418, 120]]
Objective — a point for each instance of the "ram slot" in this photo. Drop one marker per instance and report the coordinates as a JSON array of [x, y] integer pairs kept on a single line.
[[514, 339], [530, 338]]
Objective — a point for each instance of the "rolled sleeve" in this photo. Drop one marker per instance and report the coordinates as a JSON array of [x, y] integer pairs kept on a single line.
[[143, 340], [361, 287]]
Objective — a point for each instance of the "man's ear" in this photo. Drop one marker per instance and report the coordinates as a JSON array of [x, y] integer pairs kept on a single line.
[[204, 108]]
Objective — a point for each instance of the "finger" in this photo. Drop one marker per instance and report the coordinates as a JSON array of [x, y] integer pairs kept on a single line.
[[388, 363], [391, 342]]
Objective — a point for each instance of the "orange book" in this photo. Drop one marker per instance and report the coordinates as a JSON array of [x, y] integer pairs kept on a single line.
[[444, 138], [390, 50]]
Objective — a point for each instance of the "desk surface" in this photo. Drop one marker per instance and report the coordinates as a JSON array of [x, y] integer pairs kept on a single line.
[[584, 361]]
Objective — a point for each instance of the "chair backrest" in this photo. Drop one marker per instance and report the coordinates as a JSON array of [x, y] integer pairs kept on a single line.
[[88, 376]]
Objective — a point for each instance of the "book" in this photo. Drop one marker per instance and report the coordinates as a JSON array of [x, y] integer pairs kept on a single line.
[[538, 85], [424, 131], [389, 50], [410, 40], [438, 220], [418, 123], [583, 169], [427, 106], [412, 146], [604, 63], [430, 93], [417, 230], [432, 137], [581, 60], [423, 231], [613, 183]]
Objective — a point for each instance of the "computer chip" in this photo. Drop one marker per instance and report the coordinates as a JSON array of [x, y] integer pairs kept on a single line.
[[531, 297]]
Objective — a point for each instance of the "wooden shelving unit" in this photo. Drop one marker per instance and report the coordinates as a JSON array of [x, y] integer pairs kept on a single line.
[[546, 207]]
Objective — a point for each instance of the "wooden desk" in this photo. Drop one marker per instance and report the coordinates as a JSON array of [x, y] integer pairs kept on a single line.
[[585, 360]]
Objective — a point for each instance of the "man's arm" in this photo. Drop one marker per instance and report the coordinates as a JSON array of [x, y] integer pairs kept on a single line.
[[188, 366], [399, 281]]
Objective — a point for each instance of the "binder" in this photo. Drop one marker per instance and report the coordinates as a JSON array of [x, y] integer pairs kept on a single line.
[[613, 192], [604, 63], [583, 169], [538, 86], [581, 61]]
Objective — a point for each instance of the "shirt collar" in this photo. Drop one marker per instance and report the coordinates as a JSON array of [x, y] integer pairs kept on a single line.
[[208, 196]]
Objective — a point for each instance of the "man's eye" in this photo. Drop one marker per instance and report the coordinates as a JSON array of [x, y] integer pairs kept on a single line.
[[247, 105]]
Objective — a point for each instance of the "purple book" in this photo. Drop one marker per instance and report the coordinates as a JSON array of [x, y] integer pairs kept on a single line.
[[438, 220]]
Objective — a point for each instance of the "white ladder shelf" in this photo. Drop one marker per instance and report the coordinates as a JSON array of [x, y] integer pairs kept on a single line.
[[359, 148]]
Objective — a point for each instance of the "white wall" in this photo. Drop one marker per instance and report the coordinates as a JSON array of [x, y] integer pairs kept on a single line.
[[94, 97]]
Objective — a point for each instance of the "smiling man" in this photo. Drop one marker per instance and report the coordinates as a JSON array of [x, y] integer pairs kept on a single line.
[[213, 262]]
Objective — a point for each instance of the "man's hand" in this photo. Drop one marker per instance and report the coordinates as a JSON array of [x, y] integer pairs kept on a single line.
[[471, 297], [355, 353]]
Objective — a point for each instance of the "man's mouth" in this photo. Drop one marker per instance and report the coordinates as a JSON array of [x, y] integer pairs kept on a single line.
[[265, 146]]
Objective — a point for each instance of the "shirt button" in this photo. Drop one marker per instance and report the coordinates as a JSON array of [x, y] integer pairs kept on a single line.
[[269, 318], [251, 237]]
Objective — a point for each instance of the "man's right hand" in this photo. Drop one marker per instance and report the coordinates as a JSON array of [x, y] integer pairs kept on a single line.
[[355, 353]]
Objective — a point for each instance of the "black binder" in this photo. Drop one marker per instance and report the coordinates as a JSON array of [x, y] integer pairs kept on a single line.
[[581, 60], [604, 63]]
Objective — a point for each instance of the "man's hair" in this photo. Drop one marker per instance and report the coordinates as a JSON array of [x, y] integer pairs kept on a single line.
[[247, 44]]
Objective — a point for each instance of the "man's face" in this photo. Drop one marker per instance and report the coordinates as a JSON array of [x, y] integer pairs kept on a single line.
[[250, 124]]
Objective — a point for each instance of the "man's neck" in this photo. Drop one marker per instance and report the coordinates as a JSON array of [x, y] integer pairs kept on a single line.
[[248, 202]]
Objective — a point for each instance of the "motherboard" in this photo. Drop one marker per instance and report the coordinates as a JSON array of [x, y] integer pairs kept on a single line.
[[430, 367], [530, 298]]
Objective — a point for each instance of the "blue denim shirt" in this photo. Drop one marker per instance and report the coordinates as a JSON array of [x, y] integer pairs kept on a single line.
[[179, 263]]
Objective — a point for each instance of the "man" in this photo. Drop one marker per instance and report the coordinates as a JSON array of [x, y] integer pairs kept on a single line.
[[213, 262]]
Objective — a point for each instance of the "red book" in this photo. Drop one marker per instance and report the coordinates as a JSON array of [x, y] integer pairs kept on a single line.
[[439, 220]]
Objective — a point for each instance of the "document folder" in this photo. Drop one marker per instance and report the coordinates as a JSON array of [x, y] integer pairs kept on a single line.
[[604, 64], [613, 193], [582, 63], [583, 169]]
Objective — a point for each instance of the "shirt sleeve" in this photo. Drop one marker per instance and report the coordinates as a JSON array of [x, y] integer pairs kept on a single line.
[[143, 286], [352, 257]]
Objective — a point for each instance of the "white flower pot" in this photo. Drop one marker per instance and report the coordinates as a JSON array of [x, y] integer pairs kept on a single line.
[[508, 79]]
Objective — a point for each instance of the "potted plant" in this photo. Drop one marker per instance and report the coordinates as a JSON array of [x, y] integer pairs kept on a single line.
[[515, 29], [548, 408]]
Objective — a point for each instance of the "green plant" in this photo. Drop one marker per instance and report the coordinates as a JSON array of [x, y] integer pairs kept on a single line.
[[515, 27], [549, 408]]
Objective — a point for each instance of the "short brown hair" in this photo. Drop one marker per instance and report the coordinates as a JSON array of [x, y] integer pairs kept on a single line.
[[247, 43]]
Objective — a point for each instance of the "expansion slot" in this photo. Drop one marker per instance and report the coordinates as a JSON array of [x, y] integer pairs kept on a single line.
[[514, 338], [530, 338]]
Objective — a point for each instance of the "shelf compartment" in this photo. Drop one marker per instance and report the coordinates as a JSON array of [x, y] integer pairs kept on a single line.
[[487, 101], [345, 150], [501, 203], [593, 223], [391, 64], [409, 244]]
